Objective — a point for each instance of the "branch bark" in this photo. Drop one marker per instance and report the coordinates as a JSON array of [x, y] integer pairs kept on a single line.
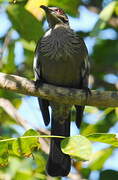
[[12, 111], [58, 94]]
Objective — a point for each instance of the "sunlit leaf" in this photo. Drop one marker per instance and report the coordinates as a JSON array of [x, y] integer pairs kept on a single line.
[[90, 109], [6, 119], [16, 1], [71, 7], [26, 175], [108, 11], [24, 22], [29, 45], [105, 138], [78, 147], [17, 164], [105, 121], [100, 25], [10, 66], [116, 9], [34, 7], [98, 158], [23, 146], [3, 154], [41, 159], [104, 16]]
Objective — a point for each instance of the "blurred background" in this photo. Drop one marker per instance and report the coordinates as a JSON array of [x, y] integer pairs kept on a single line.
[[22, 23]]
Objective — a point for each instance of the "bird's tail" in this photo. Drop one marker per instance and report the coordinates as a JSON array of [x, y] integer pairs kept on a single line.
[[58, 163]]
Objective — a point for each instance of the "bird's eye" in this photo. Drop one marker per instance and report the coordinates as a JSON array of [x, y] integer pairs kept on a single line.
[[59, 11]]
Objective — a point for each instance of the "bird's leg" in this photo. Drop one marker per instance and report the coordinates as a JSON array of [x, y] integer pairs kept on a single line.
[[85, 87], [37, 82], [87, 93]]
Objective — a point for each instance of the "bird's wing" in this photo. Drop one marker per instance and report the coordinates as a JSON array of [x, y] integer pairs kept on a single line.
[[44, 104], [85, 69], [36, 63]]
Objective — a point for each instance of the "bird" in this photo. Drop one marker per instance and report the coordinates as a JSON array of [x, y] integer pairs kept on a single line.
[[61, 59]]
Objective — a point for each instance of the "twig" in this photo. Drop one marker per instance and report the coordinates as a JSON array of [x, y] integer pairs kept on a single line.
[[5, 44], [12, 111]]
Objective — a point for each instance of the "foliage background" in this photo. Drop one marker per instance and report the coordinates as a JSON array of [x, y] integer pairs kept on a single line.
[[22, 23]]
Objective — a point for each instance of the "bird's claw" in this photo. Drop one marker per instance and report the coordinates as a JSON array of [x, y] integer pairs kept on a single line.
[[87, 91], [38, 83]]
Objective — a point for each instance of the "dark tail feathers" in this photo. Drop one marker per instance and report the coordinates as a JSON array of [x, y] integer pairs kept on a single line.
[[79, 115], [58, 163]]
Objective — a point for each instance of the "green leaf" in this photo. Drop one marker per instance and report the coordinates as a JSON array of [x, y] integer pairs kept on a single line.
[[28, 175], [104, 17], [23, 169], [85, 172], [100, 24], [10, 95], [116, 9], [31, 132], [109, 175], [25, 175], [69, 6], [14, 1], [9, 66], [23, 146], [91, 109], [98, 158], [105, 121], [3, 154], [105, 138], [77, 146], [24, 22], [34, 8], [41, 159], [107, 12]]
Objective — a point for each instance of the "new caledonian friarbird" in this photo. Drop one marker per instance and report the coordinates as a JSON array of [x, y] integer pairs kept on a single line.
[[61, 59]]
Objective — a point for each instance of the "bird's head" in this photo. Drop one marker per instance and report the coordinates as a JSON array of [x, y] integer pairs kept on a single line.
[[55, 16]]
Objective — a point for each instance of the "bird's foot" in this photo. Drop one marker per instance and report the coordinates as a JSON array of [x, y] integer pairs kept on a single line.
[[38, 82], [87, 93]]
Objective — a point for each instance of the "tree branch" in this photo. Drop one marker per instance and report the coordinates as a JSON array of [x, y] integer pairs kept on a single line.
[[58, 94], [12, 111]]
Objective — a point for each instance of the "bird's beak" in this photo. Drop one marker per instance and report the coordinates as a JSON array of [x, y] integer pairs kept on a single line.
[[45, 8]]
